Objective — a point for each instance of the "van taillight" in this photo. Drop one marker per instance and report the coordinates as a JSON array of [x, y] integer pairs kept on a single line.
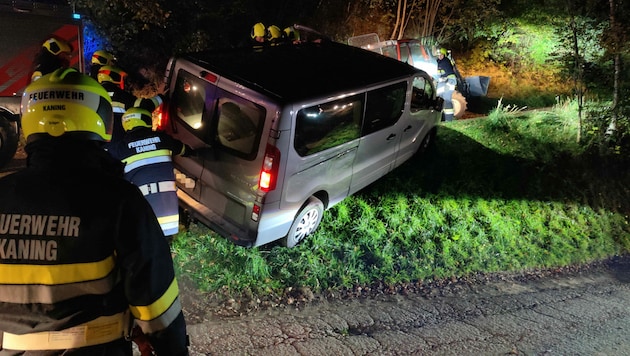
[[159, 118], [269, 172]]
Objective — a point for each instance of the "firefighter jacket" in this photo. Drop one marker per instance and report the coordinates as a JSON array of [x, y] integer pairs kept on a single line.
[[147, 155], [79, 248], [445, 67]]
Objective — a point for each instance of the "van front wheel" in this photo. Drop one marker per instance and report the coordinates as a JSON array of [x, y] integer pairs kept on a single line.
[[306, 221]]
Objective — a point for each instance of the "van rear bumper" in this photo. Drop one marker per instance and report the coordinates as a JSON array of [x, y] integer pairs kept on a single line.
[[215, 222]]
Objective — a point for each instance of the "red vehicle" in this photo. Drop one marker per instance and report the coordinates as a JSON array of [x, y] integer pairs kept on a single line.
[[422, 55], [24, 26]]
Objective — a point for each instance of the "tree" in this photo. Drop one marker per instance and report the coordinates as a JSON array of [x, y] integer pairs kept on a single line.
[[616, 41]]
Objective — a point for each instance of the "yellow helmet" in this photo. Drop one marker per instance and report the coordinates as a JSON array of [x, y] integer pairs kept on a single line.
[[443, 51], [103, 58], [258, 30], [274, 33], [150, 104], [55, 46], [66, 102], [136, 117], [112, 74], [291, 33]]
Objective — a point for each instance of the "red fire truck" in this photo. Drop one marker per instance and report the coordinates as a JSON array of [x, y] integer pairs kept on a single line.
[[24, 26]]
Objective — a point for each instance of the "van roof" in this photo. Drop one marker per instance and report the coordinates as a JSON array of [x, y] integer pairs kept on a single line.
[[294, 72]]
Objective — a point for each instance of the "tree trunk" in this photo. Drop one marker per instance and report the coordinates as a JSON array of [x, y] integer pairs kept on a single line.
[[398, 19], [577, 69], [612, 126]]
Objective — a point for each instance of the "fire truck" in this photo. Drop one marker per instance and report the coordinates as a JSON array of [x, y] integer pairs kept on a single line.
[[24, 26]]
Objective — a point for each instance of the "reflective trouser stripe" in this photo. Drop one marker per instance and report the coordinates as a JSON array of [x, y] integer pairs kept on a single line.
[[98, 331], [169, 224], [159, 187]]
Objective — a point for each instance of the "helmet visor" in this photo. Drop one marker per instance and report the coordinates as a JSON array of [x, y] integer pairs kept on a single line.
[[116, 77]]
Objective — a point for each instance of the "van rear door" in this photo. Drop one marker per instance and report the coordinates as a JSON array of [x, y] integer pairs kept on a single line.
[[226, 130], [186, 110]]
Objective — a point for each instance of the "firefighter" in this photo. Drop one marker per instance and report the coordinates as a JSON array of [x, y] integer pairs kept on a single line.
[[446, 83], [83, 258], [275, 35], [147, 155], [292, 35], [55, 53], [99, 59], [259, 34], [113, 78]]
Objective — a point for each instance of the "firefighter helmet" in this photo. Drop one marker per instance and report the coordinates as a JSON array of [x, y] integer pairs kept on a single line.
[[111, 74], [56, 46], [150, 104], [292, 34], [102, 57], [274, 33], [136, 117], [66, 102], [443, 51], [258, 30]]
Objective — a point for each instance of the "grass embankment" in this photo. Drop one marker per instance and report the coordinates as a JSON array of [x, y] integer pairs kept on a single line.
[[510, 192]]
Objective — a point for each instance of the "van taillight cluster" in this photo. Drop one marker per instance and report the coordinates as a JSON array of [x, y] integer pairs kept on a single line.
[[269, 172], [159, 118]]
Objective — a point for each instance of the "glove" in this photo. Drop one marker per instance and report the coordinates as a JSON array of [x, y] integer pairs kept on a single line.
[[141, 340]]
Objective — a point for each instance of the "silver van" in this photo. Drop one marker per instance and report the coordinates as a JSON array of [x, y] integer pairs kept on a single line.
[[285, 132]]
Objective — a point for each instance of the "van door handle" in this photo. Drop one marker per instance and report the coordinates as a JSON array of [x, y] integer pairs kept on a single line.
[[343, 153], [391, 136], [407, 128]]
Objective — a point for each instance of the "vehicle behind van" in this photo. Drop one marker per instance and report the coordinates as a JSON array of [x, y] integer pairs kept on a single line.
[[283, 133]]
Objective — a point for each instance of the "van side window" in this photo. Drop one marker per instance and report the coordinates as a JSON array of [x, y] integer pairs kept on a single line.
[[239, 124], [384, 107], [422, 94], [327, 125]]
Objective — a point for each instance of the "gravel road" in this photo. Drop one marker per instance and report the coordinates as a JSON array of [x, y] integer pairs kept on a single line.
[[573, 311], [582, 310]]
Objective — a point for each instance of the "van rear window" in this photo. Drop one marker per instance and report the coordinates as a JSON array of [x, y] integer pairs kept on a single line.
[[219, 118], [189, 98], [239, 124]]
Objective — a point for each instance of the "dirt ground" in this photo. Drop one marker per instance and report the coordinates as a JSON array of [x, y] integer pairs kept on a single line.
[[201, 306], [580, 310]]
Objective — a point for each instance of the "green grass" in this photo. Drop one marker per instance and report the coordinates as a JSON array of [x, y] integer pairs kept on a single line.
[[510, 192]]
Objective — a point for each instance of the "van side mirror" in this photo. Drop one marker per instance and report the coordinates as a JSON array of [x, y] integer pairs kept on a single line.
[[439, 103]]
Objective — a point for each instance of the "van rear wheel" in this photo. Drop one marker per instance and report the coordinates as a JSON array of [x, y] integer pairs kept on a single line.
[[305, 223]]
